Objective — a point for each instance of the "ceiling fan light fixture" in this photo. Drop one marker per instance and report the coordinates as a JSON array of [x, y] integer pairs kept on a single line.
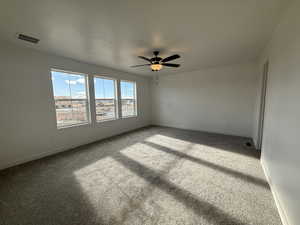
[[157, 63], [156, 67]]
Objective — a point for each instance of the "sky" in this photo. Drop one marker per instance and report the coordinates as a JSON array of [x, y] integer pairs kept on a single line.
[[73, 85]]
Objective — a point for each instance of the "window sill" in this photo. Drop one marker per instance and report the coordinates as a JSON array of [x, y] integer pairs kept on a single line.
[[73, 125], [108, 120], [127, 117]]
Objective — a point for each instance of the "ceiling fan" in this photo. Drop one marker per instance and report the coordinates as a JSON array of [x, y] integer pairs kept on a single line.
[[157, 63]]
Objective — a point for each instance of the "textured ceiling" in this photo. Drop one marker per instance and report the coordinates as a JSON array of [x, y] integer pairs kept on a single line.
[[113, 33]]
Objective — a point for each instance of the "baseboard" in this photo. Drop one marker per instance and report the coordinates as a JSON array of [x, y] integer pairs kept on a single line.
[[204, 131], [31, 158], [278, 203], [49, 153]]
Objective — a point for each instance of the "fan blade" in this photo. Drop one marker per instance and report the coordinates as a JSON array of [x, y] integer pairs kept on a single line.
[[172, 57], [141, 65], [170, 64], [144, 58]]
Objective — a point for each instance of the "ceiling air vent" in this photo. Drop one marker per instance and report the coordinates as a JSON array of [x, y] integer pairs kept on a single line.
[[28, 38]]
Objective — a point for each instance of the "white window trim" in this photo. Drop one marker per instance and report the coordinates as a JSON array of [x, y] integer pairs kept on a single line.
[[72, 125], [88, 110]]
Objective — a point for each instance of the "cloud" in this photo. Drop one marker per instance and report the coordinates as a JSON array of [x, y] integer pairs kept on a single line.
[[78, 81], [81, 80], [71, 82]]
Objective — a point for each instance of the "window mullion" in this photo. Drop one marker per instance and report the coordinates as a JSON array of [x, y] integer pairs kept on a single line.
[[119, 104], [72, 113], [92, 102]]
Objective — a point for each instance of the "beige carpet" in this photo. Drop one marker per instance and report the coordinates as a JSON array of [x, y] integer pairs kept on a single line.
[[151, 176]]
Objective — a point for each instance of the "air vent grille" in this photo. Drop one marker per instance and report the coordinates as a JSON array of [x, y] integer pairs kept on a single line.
[[28, 38]]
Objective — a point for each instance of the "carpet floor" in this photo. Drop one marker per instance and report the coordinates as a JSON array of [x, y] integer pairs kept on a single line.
[[151, 176]]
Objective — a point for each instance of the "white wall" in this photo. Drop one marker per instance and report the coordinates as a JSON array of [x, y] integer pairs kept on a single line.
[[27, 115], [220, 100], [280, 149]]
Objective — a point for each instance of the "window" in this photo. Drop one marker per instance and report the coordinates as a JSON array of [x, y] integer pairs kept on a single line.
[[105, 97], [128, 98], [71, 98]]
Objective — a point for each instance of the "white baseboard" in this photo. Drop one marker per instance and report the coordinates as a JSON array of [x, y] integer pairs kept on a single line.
[[31, 158], [199, 130], [282, 214], [53, 152]]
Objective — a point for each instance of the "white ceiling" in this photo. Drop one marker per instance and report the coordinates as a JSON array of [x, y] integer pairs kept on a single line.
[[113, 33]]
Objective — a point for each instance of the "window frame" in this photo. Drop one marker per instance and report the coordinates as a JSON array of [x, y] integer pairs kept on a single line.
[[87, 99], [116, 99], [135, 95]]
